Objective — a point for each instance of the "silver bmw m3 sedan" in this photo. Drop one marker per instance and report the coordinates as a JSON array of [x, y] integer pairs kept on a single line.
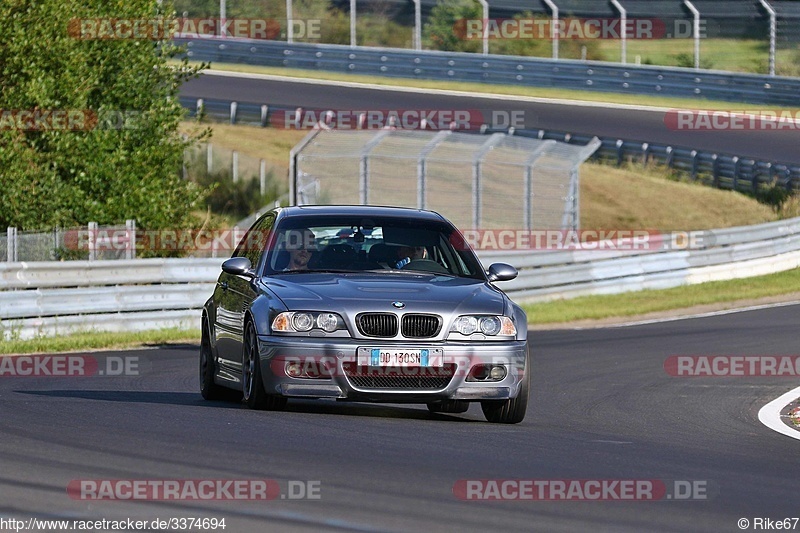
[[368, 304]]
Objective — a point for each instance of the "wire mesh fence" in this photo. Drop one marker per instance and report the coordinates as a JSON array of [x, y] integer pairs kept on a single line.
[[90, 242], [477, 181]]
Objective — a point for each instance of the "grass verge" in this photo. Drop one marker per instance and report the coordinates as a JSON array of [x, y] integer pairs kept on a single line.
[[639, 303], [96, 340], [511, 90]]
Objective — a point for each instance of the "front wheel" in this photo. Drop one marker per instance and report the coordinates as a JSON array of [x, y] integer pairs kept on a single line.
[[255, 397], [510, 411]]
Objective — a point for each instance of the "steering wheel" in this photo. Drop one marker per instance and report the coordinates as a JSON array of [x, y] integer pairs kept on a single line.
[[425, 265]]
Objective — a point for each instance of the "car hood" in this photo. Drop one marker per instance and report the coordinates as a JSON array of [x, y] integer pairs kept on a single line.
[[356, 293]]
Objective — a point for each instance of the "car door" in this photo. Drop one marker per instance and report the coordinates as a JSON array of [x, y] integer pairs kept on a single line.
[[233, 296]]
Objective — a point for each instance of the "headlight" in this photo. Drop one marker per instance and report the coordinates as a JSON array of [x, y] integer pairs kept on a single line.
[[466, 325], [302, 321], [491, 326], [305, 321], [328, 321]]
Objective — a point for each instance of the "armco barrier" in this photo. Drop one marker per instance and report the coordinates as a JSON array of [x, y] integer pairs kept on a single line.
[[498, 69], [57, 298]]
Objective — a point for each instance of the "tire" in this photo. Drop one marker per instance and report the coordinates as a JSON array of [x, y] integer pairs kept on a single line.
[[208, 389], [510, 411], [448, 406], [255, 397]]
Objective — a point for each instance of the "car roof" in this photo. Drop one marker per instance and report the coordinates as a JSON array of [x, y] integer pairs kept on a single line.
[[360, 210]]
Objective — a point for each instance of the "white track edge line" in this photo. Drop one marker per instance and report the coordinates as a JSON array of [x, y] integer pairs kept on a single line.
[[770, 414]]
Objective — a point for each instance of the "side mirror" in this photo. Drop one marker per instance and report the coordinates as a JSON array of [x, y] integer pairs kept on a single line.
[[501, 272], [238, 266]]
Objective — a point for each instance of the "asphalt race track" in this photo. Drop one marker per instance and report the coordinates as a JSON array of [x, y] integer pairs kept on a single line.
[[645, 125], [603, 408]]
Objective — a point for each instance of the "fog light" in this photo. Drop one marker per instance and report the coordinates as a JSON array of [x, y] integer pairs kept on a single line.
[[294, 369], [497, 373]]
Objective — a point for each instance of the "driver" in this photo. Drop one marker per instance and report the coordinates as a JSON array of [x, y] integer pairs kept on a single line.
[[300, 250], [406, 254]]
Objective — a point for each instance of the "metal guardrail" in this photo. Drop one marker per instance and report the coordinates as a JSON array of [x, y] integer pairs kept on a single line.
[[57, 298], [721, 254], [60, 297], [718, 169], [497, 69]]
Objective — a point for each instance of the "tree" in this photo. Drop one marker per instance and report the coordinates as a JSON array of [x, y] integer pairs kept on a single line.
[[446, 27], [123, 154]]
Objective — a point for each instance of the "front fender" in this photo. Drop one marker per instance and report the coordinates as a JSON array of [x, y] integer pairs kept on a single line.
[[263, 310], [520, 320]]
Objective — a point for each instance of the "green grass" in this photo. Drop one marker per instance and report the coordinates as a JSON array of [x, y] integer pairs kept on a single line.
[[98, 341], [638, 197], [513, 90], [642, 302], [735, 55]]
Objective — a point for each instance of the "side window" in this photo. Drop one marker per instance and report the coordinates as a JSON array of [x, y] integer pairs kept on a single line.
[[254, 242]]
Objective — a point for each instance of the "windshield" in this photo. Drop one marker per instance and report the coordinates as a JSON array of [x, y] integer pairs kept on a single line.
[[352, 244]]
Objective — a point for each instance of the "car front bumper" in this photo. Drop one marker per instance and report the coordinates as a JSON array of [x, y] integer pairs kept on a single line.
[[334, 360]]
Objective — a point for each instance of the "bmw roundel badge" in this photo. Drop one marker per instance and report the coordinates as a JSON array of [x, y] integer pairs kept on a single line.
[[398, 305]]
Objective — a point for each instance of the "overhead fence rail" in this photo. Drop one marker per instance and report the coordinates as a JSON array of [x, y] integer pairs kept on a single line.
[[509, 70]]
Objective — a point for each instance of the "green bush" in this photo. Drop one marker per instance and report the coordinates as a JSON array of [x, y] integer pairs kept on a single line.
[[57, 177]]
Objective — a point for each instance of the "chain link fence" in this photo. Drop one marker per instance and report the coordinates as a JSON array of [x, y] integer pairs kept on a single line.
[[477, 181], [90, 242]]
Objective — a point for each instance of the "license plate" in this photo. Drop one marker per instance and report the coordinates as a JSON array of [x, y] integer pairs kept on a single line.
[[400, 357]]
